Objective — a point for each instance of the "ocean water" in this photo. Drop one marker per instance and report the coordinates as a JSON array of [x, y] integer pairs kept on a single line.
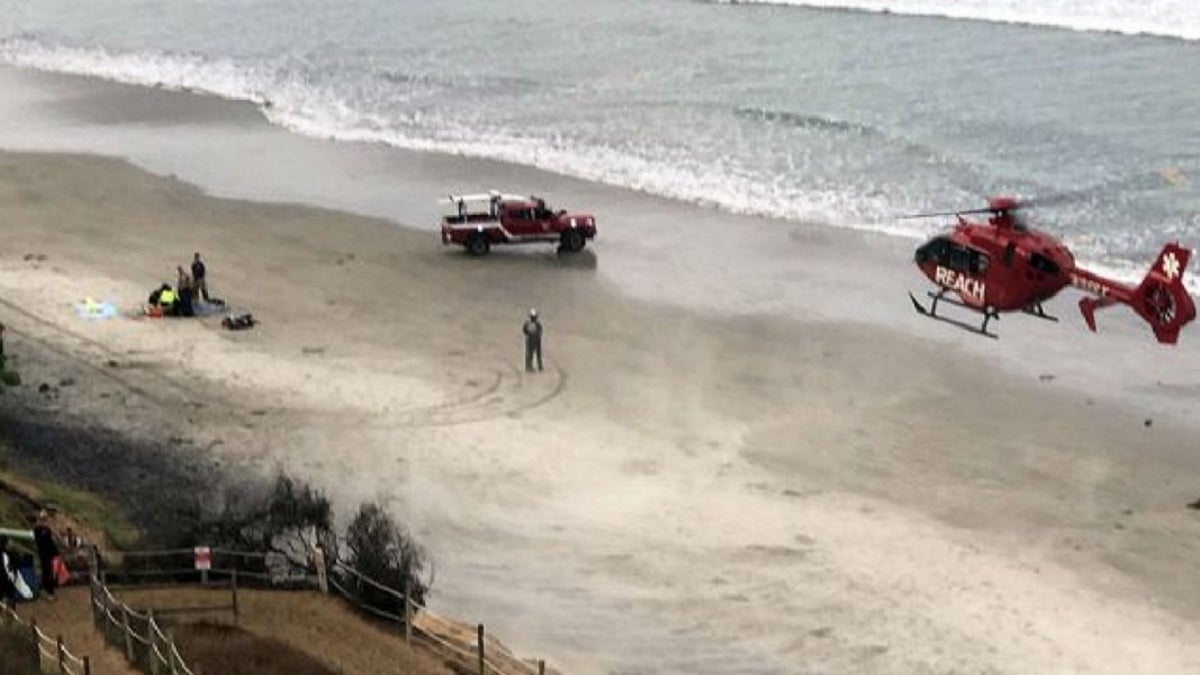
[[800, 112], [1172, 18]]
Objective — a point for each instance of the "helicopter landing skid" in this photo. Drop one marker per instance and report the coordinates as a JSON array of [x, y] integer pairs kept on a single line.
[[1036, 310], [941, 297]]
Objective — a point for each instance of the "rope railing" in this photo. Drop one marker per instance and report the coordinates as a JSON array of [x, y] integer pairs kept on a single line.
[[73, 659], [150, 650], [471, 650], [175, 566], [469, 656], [48, 650]]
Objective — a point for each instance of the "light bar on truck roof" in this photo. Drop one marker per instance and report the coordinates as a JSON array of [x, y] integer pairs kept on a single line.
[[484, 197]]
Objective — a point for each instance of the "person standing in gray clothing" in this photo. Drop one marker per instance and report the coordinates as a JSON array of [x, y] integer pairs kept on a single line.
[[533, 341]]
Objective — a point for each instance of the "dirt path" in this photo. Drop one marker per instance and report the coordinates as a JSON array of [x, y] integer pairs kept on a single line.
[[71, 617], [318, 625]]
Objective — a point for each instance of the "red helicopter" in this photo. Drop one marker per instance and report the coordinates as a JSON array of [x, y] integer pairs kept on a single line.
[[1002, 265]]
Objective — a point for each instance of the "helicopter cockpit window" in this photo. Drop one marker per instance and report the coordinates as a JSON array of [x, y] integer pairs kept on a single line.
[[933, 251], [948, 253]]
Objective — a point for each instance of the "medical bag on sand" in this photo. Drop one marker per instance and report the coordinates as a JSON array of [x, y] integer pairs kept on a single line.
[[62, 576], [239, 321]]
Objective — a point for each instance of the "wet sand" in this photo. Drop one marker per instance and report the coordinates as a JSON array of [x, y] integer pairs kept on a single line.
[[683, 490]]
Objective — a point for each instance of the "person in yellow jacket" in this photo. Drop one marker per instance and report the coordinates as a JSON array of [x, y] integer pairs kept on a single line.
[[167, 299]]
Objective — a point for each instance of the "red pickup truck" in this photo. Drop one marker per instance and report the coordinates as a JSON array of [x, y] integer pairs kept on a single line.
[[482, 220]]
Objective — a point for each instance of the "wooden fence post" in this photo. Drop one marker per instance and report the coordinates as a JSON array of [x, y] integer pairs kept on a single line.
[[93, 562], [170, 647], [408, 616], [481, 663], [128, 634], [319, 563], [62, 655], [152, 635], [92, 600], [87, 666], [233, 585], [37, 645], [541, 667]]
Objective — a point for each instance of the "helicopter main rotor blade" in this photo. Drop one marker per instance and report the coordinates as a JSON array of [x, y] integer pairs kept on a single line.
[[1140, 181], [964, 212], [1058, 199]]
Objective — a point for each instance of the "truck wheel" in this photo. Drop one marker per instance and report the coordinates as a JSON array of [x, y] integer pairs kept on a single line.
[[573, 241], [478, 244]]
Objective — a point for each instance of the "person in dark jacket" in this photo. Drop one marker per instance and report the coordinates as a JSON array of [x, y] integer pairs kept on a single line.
[[199, 277], [47, 550], [533, 341]]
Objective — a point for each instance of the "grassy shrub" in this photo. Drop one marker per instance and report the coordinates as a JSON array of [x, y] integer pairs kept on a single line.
[[95, 513], [284, 517], [378, 547]]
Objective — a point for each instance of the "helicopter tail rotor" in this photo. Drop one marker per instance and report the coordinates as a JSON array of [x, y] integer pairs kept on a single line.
[[1161, 298]]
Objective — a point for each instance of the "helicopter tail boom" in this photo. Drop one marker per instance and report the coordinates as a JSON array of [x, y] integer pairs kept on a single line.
[[1160, 299]]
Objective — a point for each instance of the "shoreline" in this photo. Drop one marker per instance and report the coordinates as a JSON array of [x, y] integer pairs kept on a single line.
[[896, 517]]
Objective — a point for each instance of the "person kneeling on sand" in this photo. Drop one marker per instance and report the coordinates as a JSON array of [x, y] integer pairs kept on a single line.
[[187, 293], [165, 299]]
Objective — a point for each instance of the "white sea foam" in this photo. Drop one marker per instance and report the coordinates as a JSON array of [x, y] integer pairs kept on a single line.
[[288, 99], [221, 77], [1170, 18]]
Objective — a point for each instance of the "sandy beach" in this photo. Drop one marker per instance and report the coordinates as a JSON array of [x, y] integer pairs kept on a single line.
[[708, 487]]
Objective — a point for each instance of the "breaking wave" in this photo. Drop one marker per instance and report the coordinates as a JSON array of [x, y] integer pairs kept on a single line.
[[304, 102], [803, 121], [1166, 18]]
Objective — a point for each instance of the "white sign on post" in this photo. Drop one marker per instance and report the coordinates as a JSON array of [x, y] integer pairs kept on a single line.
[[203, 557]]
